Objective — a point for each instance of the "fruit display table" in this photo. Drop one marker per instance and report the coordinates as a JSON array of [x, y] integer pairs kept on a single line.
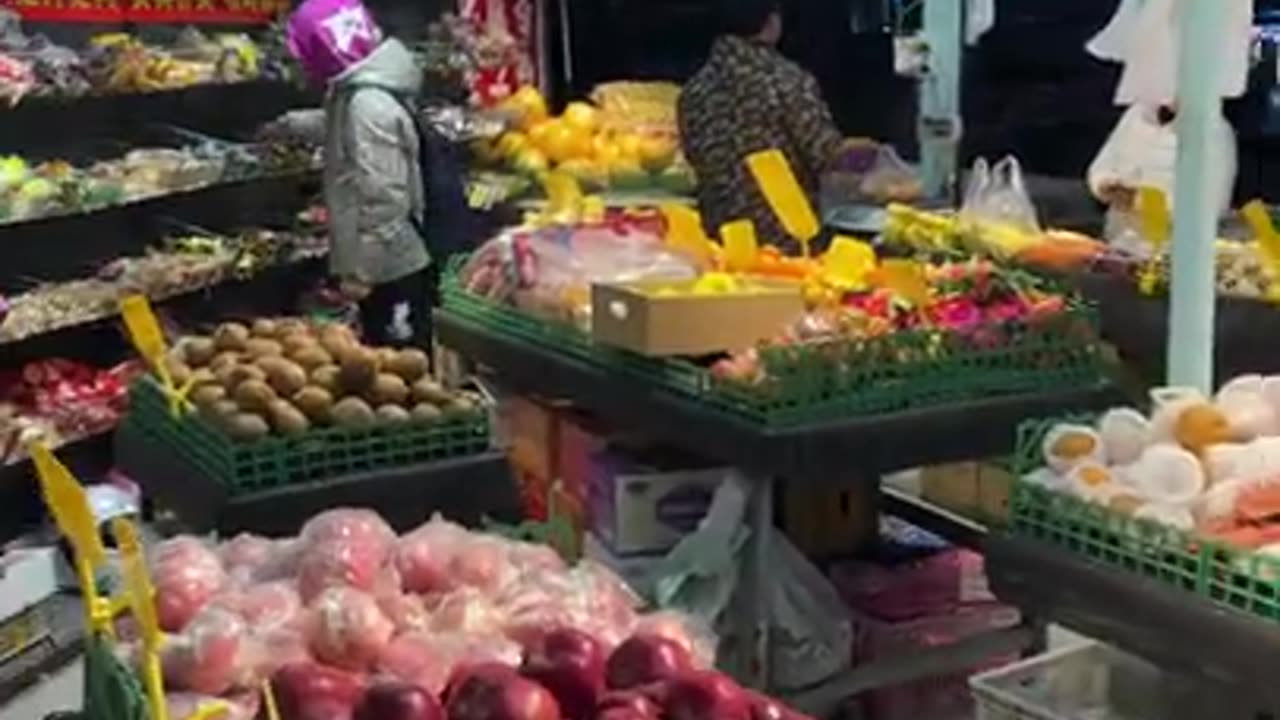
[[804, 453]]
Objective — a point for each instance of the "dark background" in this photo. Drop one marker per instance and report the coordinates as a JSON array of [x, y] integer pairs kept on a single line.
[[1029, 86]]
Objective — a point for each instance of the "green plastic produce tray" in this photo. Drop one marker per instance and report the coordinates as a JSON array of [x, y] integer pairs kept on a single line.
[[837, 379], [317, 455], [1234, 577]]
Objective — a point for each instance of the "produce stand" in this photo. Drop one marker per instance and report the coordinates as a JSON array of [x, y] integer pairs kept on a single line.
[[469, 488]]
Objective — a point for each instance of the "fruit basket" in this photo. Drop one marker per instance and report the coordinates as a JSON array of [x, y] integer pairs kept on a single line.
[[835, 379], [317, 454], [1182, 559]]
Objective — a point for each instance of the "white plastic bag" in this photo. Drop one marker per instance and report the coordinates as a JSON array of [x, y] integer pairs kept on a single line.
[[811, 636], [998, 196]]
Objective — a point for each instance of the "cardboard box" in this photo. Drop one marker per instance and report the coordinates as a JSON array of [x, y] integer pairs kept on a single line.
[[953, 487], [995, 489], [637, 511], [636, 317], [825, 521], [532, 432]]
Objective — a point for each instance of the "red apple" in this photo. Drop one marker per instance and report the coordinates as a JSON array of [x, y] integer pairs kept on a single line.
[[569, 663], [298, 687], [632, 701], [706, 695], [493, 696], [394, 700], [645, 659]]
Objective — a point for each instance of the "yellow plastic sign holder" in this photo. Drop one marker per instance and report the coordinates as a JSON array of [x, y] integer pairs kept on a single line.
[[685, 234], [847, 263], [148, 340], [741, 250], [1259, 219], [783, 192], [1157, 227], [907, 279]]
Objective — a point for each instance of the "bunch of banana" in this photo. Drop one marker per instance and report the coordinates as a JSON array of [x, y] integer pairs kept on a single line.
[[919, 229], [649, 107]]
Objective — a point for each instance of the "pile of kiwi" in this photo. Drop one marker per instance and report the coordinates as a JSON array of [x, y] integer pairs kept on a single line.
[[286, 376]]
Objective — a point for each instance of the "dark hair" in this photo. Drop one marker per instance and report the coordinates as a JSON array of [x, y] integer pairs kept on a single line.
[[746, 17]]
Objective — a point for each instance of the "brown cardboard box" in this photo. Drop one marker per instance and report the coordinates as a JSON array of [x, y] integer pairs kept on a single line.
[[995, 488], [831, 521], [953, 487], [635, 317]]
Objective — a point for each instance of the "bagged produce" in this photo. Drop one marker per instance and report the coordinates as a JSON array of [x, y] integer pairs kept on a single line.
[[213, 655], [187, 575], [346, 628], [339, 563], [354, 526]]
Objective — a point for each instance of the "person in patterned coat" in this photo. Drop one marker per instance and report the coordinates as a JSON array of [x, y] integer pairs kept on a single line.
[[747, 98]]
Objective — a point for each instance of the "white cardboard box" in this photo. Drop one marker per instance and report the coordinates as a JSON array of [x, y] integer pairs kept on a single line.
[[647, 513]]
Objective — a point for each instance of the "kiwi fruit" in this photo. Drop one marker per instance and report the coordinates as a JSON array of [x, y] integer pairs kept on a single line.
[[298, 342], [359, 367], [353, 412], [264, 328], [430, 391], [219, 412], [411, 365], [179, 371], [243, 373], [393, 414], [314, 402], [261, 347], [291, 326], [224, 360], [205, 396], [247, 427], [388, 389], [426, 413], [253, 395], [230, 337], [311, 357], [327, 377], [197, 351], [287, 419], [286, 377]]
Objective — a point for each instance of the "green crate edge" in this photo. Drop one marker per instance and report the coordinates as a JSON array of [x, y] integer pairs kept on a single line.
[[1240, 579], [932, 382], [320, 454]]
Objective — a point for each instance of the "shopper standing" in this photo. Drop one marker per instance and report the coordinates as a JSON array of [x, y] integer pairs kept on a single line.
[[373, 179], [748, 98]]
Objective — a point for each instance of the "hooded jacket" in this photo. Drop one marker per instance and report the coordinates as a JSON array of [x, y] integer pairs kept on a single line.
[[372, 180]]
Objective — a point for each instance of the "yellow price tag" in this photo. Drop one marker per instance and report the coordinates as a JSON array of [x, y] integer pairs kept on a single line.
[[740, 248], [141, 601], [148, 340], [685, 233], [906, 278], [563, 194], [847, 262], [1264, 231], [593, 210], [1157, 227], [69, 505], [778, 183]]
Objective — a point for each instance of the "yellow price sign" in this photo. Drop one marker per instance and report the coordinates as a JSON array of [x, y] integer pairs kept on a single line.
[[564, 195], [69, 505], [847, 263], [1268, 238], [1157, 227], [782, 190], [740, 247], [907, 279], [685, 233], [148, 340]]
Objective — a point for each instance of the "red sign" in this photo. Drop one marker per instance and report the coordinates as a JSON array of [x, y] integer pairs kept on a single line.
[[519, 20], [149, 11]]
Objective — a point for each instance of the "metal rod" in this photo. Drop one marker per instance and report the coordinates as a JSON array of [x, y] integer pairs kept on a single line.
[[1192, 294]]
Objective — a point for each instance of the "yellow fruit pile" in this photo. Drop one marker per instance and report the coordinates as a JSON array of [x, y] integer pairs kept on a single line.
[[577, 144]]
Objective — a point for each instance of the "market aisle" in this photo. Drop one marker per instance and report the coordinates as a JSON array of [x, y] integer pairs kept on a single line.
[[60, 691]]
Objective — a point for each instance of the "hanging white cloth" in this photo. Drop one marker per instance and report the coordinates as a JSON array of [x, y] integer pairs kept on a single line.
[[980, 18], [1145, 36], [1113, 42]]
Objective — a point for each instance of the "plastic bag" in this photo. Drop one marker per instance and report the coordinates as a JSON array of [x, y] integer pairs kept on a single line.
[[187, 575], [999, 197], [346, 628], [811, 635], [890, 179], [867, 172], [215, 654]]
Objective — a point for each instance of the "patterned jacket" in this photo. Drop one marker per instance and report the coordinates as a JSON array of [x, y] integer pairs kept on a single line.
[[747, 98]]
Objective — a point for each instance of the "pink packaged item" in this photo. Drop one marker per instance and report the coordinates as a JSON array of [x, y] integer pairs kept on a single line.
[[329, 36], [924, 588], [937, 698]]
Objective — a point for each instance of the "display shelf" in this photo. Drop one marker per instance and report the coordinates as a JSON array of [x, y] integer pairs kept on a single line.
[[235, 109], [468, 489], [1174, 629], [802, 453], [953, 527], [20, 505], [65, 247]]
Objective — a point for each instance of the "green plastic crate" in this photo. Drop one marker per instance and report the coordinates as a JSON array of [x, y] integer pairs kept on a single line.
[[1237, 578], [317, 455], [837, 379]]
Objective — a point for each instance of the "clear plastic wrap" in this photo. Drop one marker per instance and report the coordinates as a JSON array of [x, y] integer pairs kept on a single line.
[[423, 556], [351, 525], [346, 628], [339, 563], [213, 655], [187, 575]]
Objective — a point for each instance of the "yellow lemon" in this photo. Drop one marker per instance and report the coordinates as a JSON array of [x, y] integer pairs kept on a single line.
[[582, 116]]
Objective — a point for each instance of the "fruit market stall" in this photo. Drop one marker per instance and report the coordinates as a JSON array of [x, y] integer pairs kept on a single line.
[[855, 361], [273, 420]]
